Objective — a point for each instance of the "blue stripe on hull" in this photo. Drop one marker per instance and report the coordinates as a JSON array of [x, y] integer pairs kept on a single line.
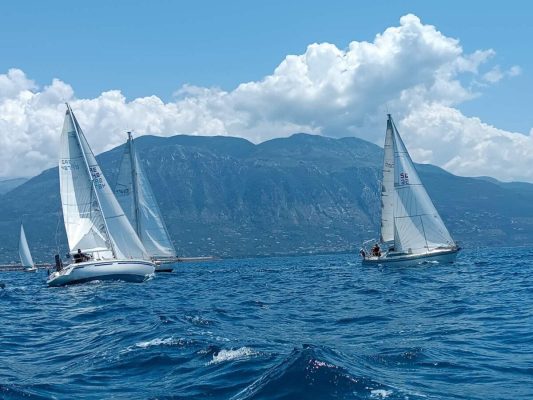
[[114, 277]]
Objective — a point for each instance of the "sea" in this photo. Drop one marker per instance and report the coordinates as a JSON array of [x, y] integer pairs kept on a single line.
[[309, 327]]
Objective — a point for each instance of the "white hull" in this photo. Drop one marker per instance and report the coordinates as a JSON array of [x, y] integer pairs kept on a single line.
[[31, 269], [161, 266], [125, 270], [407, 260]]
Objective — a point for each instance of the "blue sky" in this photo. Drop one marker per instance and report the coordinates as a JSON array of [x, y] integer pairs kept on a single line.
[[154, 47], [460, 92]]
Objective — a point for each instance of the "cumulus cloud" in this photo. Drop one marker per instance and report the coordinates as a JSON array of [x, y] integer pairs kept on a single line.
[[413, 70]]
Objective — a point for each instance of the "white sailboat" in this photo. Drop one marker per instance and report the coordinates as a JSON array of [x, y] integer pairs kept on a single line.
[[24, 253], [412, 231], [101, 239], [134, 193]]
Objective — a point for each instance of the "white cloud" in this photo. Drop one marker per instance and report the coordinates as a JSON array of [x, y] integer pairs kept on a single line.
[[413, 70], [496, 74]]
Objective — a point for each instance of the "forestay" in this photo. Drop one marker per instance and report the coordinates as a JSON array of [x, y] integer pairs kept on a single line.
[[418, 227], [94, 221], [135, 195], [24, 251]]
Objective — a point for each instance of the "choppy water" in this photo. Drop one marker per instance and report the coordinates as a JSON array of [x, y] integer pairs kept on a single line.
[[320, 327]]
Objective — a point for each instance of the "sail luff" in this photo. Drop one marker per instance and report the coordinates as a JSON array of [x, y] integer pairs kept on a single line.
[[135, 186], [24, 251], [387, 187]]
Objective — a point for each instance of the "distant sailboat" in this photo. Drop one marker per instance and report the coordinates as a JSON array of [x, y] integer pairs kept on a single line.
[[24, 253], [101, 239], [412, 230], [135, 195]]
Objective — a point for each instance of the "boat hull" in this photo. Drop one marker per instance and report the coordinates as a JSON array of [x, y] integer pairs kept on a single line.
[[124, 270], [441, 257], [164, 267]]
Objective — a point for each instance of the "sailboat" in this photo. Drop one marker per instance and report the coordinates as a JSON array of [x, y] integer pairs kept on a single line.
[[412, 231], [24, 253], [101, 240], [135, 195]]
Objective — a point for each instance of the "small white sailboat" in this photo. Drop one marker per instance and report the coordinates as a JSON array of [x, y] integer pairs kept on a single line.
[[134, 193], [101, 240], [24, 253], [412, 231]]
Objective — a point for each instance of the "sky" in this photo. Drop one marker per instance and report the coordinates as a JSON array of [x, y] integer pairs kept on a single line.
[[455, 75]]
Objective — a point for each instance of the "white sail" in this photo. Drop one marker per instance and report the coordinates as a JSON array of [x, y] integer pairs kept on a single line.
[[124, 188], [24, 251], [94, 221], [418, 227], [387, 188], [134, 193]]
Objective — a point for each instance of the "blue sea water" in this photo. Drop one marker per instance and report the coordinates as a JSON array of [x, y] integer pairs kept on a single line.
[[314, 327]]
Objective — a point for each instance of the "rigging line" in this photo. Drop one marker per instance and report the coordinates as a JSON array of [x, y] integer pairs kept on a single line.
[[415, 215], [57, 232]]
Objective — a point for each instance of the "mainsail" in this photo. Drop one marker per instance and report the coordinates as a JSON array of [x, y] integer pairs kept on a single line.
[[24, 251], [134, 193], [94, 221], [418, 227]]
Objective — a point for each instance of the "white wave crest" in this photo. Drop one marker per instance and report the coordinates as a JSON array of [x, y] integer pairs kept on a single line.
[[170, 341], [380, 393], [155, 342], [231, 354]]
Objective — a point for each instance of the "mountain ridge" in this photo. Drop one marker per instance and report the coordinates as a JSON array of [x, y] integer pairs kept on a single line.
[[228, 197]]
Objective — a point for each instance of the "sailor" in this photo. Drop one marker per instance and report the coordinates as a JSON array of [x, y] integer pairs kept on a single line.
[[80, 257], [376, 251], [59, 264]]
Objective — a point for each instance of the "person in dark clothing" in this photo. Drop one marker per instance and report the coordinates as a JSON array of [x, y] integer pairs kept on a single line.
[[376, 251], [80, 257], [59, 263]]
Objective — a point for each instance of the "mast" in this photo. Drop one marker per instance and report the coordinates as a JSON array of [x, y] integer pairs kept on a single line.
[[74, 123], [135, 184], [387, 186]]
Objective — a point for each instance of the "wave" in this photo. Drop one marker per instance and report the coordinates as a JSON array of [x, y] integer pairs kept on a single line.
[[315, 373], [232, 354], [160, 342]]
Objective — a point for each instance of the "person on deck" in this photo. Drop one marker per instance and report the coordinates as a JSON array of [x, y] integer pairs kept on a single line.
[[81, 257], [376, 251]]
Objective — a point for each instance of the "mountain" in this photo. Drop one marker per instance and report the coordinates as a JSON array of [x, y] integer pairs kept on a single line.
[[7, 185], [227, 197]]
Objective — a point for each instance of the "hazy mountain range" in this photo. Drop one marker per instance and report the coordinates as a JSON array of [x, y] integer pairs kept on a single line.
[[6, 185], [227, 197]]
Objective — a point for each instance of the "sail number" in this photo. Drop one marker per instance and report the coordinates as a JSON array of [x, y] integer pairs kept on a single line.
[[98, 179], [67, 165], [404, 178]]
